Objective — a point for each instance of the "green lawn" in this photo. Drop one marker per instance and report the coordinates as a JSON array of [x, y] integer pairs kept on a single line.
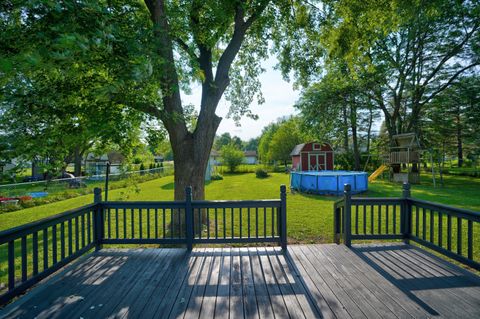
[[310, 217]]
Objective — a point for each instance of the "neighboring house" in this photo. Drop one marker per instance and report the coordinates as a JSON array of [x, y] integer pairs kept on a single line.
[[215, 158], [158, 159], [312, 156], [97, 165], [250, 157]]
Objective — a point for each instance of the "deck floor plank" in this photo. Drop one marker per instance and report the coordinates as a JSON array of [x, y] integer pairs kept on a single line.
[[308, 281]]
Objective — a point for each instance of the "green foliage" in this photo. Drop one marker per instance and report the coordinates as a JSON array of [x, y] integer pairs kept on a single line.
[[232, 157], [261, 173], [264, 144], [284, 140], [216, 177]]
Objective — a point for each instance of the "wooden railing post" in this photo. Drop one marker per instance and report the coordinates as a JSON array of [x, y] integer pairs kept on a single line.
[[98, 220], [283, 217], [189, 217], [347, 224], [337, 211], [406, 213]]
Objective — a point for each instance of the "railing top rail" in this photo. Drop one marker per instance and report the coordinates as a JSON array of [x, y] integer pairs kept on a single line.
[[22, 230], [137, 204], [237, 203], [338, 201], [372, 200], [444, 207]]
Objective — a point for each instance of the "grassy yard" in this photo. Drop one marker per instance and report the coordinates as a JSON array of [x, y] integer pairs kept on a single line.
[[310, 217]]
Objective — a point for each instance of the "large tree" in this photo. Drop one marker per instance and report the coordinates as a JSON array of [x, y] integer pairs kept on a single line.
[[412, 50], [218, 43]]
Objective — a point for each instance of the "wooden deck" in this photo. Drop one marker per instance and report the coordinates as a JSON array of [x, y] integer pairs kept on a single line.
[[332, 281]]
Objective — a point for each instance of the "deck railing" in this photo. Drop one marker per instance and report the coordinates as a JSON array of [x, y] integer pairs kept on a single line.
[[31, 252], [451, 231]]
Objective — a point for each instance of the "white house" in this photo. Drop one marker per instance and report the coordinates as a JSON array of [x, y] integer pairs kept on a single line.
[[250, 157]]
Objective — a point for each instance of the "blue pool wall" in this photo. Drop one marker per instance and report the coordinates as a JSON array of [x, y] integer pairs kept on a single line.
[[328, 182]]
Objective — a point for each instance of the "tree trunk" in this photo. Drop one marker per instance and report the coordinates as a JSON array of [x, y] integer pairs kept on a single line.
[[459, 142], [369, 130], [78, 162], [345, 129]]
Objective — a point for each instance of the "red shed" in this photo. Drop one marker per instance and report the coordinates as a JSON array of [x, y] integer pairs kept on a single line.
[[312, 156]]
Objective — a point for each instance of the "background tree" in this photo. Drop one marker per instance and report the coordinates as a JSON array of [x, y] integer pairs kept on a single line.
[[264, 143], [284, 140], [232, 156]]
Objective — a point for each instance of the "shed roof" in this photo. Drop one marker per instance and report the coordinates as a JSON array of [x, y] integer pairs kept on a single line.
[[297, 149]]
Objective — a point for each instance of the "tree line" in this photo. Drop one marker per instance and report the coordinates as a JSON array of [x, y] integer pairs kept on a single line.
[[82, 74]]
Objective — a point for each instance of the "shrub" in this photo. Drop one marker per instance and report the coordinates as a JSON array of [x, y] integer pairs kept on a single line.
[[216, 177], [261, 173], [231, 157]]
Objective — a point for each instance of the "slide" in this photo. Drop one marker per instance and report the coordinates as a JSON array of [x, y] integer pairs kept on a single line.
[[378, 171]]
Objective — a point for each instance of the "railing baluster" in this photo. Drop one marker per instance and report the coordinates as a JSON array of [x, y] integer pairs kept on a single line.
[[62, 239], [417, 218], [449, 232], [386, 219], [224, 224], [89, 228], [249, 224], [356, 219], [371, 220], [35, 253], [240, 220], [379, 219], [264, 222], [208, 223], [199, 221], [109, 225], [70, 237], [77, 235], [24, 258], [256, 223], [424, 226], [117, 230], [432, 224], [440, 228], [394, 218], [273, 222], [470, 239], [232, 218], [156, 222], [83, 229], [132, 220], [140, 223], [124, 223], [216, 223], [54, 244], [459, 236], [11, 265], [364, 219], [171, 223], [164, 217], [45, 248], [148, 223]]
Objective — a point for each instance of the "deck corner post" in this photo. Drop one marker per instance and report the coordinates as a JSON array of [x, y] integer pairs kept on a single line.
[[283, 217], [98, 220], [406, 212], [189, 217], [347, 228]]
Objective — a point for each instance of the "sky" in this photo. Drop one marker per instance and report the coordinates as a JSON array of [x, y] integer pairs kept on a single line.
[[279, 100]]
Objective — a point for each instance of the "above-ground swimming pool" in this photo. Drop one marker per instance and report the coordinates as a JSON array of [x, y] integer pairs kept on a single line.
[[328, 182]]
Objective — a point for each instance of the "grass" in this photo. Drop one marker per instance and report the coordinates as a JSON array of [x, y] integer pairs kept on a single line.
[[310, 217]]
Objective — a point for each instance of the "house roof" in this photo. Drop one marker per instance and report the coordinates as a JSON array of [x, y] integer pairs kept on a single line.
[[250, 153], [214, 153], [297, 149]]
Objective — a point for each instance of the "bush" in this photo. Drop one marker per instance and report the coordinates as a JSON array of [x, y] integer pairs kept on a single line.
[[261, 173], [232, 157], [216, 177]]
